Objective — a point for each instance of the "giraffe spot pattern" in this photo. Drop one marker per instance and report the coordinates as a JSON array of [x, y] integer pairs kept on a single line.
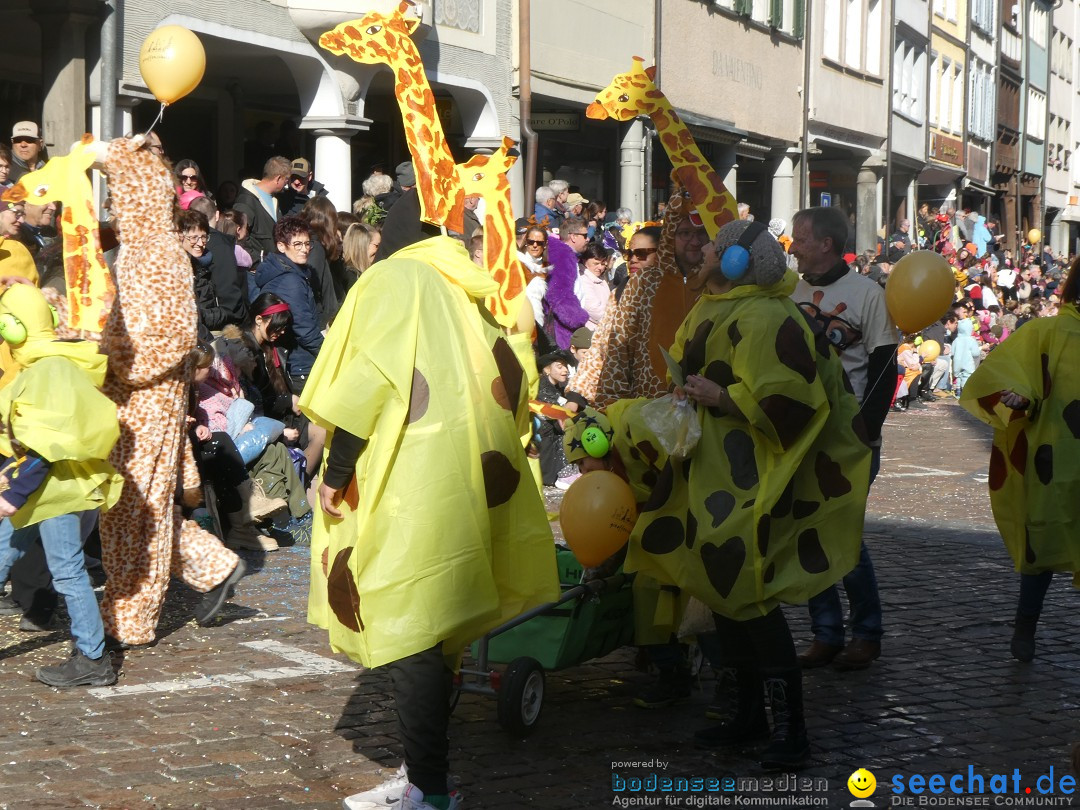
[[792, 351], [694, 351], [498, 393], [739, 449], [783, 504], [691, 529], [662, 491], [509, 370], [770, 573], [720, 373], [733, 333], [803, 509], [419, 397], [720, 505], [1018, 454], [789, 417], [723, 564], [998, 469], [663, 535], [812, 556], [342, 594], [764, 525], [830, 476], [1071, 417], [500, 478], [1044, 463]]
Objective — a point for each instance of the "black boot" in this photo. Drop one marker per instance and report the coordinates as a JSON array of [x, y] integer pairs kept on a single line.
[[788, 748], [672, 686], [1023, 640], [745, 710]]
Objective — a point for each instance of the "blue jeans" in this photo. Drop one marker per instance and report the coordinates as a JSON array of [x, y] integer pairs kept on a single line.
[[61, 539], [826, 612]]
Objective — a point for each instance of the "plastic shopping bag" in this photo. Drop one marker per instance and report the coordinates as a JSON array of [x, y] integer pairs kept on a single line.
[[675, 424]]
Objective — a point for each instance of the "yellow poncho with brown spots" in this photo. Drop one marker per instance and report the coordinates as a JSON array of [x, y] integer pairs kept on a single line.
[[769, 508], [444, 534], [1035, 460]]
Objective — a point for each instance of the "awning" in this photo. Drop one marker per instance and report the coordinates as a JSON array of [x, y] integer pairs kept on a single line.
[[937, 175], [975, 187]]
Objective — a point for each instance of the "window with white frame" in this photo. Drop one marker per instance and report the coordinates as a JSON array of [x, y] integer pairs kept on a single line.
[[873, 37], [939, 8], [853, 27], [1036, 114], [945, 95], [833, 24], [956, 122], [950, 10], [981, 90], [1038, 25], [909, 78], [935, 83], [787, 16], [982, 15]]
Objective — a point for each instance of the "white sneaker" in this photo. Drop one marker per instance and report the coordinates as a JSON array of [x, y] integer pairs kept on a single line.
[[413, 799], [381, 796]]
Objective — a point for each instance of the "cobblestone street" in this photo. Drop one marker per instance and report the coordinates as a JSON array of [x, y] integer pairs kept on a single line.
[[258, 712]]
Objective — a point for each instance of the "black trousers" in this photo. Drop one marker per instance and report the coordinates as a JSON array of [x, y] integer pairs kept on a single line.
[[763, 642], [422, 687], [31, 584], [220, 463]]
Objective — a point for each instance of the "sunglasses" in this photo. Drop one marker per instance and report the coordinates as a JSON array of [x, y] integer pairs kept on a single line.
[[24, 140], [191, 177], [641, 254], [536, 242]]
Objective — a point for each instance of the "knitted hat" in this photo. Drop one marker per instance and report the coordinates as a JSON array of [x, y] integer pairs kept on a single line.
[[767, 260]]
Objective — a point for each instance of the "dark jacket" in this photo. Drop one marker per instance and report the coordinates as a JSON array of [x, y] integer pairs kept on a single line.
[[322, 283], [292, 283], [403, 227], [553, 217], [212, 316], [230, 281], [262, 223], [291, 202]]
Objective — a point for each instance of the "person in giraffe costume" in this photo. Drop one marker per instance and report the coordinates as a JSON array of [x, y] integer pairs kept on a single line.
[[654, 303], [148, 338]]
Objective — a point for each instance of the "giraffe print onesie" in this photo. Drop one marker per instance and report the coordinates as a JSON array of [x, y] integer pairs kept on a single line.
[[148, 338]]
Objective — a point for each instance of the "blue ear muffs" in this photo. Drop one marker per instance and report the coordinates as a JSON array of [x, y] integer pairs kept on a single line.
[[594, 441], [736, 259]]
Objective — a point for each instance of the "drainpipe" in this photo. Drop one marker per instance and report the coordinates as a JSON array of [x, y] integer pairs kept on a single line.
[[649, 131], [108, 70], [804, 168], [525, 99], [891, 55]]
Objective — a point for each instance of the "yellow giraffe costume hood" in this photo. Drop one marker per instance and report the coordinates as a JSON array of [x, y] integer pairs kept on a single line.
[[74, 432]]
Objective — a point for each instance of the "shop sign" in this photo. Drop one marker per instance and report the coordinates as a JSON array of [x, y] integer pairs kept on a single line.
[[978, 163], [819, 179], [555, 121], [946, 149]]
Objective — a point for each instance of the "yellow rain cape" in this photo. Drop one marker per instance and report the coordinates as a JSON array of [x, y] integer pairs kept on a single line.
[[444, 534], [1034, 475], [53, 407], [768, 509]]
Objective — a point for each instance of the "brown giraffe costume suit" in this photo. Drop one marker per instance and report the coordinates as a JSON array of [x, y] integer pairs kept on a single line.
[[624, 361], [149, 337]]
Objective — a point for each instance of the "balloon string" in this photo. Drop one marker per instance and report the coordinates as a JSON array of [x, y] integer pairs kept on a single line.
[[157, 120]]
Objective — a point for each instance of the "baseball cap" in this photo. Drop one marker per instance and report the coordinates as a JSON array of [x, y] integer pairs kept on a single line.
[[301, 167], [26, 129], [521, 225], [575, 199]]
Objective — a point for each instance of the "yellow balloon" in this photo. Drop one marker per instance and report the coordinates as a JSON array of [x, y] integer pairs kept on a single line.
[[597, 515], [930, 350], [919, 290], [1034, 235], [172, 62]]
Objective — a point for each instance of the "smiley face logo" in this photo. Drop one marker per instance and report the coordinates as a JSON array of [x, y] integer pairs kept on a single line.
[[861, 783]]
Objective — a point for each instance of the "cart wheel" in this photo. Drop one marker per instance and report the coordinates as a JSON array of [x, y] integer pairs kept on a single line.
[[521, 695]]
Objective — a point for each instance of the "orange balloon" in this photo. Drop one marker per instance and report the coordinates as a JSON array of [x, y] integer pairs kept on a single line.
[[930, 350], [172, 62], [1034, 235], [597, 515], [919, 290]]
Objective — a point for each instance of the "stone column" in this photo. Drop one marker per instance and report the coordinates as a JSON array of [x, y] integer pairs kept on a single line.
[[783, 189], [727, 166], [632, 169], [867, 209], [1059, 235], [64, 25], [333, 155]]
